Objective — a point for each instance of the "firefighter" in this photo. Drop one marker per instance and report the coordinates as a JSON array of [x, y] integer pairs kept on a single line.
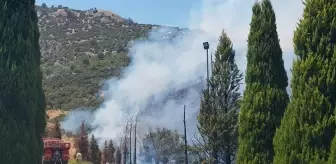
[[79, 157]]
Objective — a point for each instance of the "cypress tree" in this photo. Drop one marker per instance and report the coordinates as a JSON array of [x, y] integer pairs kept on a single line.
[[219, 108], [308, 126], [265, 97], [22, 102], [41, 116]]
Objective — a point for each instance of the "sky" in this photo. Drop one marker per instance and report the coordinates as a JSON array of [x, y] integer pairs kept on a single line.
[[162, 12]]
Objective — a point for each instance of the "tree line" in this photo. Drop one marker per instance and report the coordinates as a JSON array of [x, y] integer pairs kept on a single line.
[[265, 125], [158, 146]]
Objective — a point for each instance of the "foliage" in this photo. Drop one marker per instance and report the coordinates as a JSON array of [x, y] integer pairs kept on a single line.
[[104, 153], [22, 103], [94, 154], [161, 145], [78, 84], [82, 142], [218, 116], [118, 156], [265, 97], [308, 126], [100, 40], [75, 162], [332, 155], [110, 152]]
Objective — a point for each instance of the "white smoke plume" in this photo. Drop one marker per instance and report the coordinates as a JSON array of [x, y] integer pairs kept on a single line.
[[159, 68]]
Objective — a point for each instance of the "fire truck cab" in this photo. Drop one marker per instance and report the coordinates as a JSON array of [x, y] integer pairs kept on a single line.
[[55, 151]]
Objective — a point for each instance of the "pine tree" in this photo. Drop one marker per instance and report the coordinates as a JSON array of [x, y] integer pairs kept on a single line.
[[104, 153], [118, 156], [308, 126], [22, 103], [94, 152], [82, 142], [110, 152], [219, 109], [265, 97]]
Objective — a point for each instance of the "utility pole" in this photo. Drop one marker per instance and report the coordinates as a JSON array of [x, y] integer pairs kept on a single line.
[[135, 138], [125, 145], [130, 142], [185, 138], [206, 47], [211, 63]]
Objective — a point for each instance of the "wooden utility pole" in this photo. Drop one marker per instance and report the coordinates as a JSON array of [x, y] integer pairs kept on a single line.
[[185, 138]]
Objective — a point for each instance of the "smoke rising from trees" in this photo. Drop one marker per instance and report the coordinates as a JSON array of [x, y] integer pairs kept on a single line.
[[160, 69]]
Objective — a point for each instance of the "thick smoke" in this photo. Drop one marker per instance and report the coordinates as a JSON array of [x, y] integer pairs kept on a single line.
[[161, 70]]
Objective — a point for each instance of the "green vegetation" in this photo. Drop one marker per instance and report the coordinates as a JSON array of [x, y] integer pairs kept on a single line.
[[80, 50], [82, 142], [161, 146], [78, 83], [265, 97], [332, 155], [108, 152], [219, 108], [94, 153], [75, 162], [22, 103], [308, 126]]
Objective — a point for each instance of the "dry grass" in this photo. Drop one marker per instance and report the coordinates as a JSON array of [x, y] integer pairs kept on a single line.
[[70, 140], [55, 113]]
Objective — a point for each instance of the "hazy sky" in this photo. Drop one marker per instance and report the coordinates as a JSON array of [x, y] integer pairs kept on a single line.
[[163, 12]]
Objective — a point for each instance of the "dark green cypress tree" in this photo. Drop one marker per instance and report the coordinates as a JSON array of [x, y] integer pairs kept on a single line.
[[308, 126], [22, 103], [265, 97], [41, 117], [219, 108]]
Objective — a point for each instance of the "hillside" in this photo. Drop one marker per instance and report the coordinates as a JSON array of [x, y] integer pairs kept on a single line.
[[81, 49]]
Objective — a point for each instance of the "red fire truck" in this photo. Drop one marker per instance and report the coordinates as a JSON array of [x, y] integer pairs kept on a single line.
[[55, 151]]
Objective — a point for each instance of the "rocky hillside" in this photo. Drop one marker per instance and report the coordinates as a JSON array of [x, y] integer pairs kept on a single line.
[[81, 49]]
